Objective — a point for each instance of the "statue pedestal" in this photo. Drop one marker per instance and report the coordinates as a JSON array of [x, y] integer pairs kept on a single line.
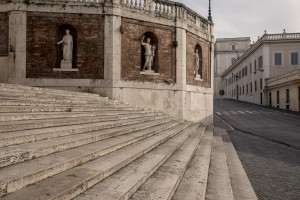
[[65, 64], [149, 72], [198, 78]]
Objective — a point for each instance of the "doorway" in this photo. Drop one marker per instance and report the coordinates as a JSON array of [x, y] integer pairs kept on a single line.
[[270, 99], [261, 99], [298, 98], [237, 92]]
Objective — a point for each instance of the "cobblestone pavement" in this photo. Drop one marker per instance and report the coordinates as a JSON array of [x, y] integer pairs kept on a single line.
[[273, 168]]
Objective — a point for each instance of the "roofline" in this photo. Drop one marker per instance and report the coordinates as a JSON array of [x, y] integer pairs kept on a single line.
[[265, 38]]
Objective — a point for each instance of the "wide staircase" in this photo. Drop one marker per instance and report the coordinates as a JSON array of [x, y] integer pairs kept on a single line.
[[71, 145]]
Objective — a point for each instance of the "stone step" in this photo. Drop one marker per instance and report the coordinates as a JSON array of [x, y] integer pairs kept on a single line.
[[22, 88], [23, 94], [194, 182], [28, 89], [19, 137], [4, 117], [241, 186], [219, 185], [106, 157], [163, 183], [123, 183], [49, 99], [53, 108], [22, 152], [16, 102], [36, 124]]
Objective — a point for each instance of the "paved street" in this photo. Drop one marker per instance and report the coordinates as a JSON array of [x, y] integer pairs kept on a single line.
[[272, 124], [273, 168]]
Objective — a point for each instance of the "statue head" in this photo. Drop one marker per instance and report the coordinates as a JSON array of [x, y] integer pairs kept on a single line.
[[148, 40], [68, 31]]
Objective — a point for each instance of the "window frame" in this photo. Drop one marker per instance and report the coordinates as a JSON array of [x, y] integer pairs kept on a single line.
[[274, 59], [291, 61]]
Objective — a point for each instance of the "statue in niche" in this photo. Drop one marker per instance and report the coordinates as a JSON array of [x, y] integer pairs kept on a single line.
[[67, 47], [197, 63], [149, 54]]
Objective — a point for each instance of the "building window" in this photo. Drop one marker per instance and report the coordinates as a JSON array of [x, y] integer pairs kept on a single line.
[[255, 86], [240, 75], [247, 88], [260, 62], [240, 90], [243, 89], [278, 59], [261, 84], [250, 68], [233, 60], [251, 87], [254, 66], [294, 58], [246, 71], [233, 47]]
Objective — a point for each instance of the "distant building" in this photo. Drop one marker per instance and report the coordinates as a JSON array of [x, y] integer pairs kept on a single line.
[[227, 50], [268, 73]]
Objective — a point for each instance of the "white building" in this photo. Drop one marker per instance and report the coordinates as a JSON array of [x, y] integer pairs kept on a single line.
[[268, 73]]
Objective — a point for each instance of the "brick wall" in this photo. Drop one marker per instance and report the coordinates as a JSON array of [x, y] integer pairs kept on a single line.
[[44, 30], [191, 42], [4, 34], [131, 59]]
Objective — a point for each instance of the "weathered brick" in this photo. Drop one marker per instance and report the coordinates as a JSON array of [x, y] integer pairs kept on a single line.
[[191, 42], [43, 54], [4, 34], [131, 59]]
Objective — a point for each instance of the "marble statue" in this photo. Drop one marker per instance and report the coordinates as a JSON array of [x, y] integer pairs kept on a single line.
[[197, 62], [67, 47], [149, 54]]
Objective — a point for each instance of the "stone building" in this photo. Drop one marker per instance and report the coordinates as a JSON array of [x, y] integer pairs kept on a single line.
[[227, 51], [97, 46], [268, 73]]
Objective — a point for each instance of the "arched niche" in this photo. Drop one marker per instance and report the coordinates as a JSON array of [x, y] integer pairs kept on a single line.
[[153, 41], [61, 31], [198, 47]]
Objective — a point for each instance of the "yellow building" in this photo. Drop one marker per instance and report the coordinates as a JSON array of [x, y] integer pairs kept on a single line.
[[268, 73]]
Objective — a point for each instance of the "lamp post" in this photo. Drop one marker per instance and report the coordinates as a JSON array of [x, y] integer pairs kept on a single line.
[[209, 12]]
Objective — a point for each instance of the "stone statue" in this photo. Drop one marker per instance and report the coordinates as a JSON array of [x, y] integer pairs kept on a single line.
[[197, 62], [67, 46], [149, 54]]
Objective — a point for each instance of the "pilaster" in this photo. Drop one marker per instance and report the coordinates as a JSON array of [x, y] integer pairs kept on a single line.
[[17, 46], [112, 51]]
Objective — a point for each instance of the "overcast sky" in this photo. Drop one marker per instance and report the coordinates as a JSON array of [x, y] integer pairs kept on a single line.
[[249, 18]]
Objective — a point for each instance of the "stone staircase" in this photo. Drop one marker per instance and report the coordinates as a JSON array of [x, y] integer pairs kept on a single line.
[[71, 145]]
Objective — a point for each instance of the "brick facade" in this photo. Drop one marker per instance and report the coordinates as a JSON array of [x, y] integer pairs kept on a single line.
[[4, 34], [191, 42], [44, 30], [131, 59]]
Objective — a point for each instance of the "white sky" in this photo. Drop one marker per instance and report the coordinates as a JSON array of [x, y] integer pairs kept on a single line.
[[249, 18]]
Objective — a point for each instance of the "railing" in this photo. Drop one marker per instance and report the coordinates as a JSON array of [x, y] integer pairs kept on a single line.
[[283, 36], [169, 9], [58, 1], [162, 8], [138, 4]]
